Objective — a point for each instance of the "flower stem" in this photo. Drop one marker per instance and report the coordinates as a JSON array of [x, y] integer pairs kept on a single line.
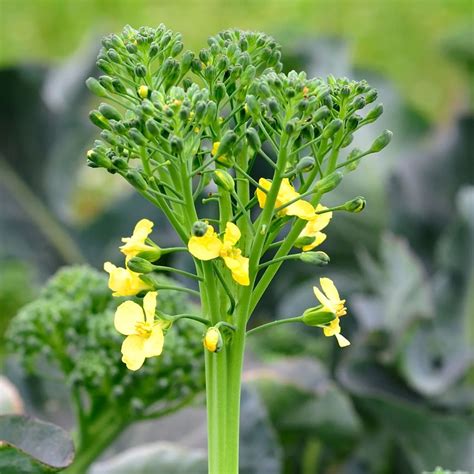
[[297, 319]]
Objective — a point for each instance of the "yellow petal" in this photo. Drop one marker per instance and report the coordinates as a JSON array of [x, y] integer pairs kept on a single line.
[[136, 243], [133, 353], [302, 209], [342, 341], [330, 289], [154, 343], [322, 298], [124, 282], [206, 247], [322, 220], [149, 306], [127, 315], [319, 238], [239, 267], [232, 234], [332, 328], [287, 192], [262, 196]]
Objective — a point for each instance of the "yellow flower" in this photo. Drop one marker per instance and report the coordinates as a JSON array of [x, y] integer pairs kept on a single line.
[[332, 302], [286, 193], [143, 91], [145, 337], [209, 246], [124, 282], [215, 147], [314, 226], [136, 243]]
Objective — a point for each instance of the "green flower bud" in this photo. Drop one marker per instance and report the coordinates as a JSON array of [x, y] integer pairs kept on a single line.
[[252, 105], [177, 145], [317, 317], [147, 107], [204, 56], [151, 255], [371, 96], [105, 66], [140, 70], [352, 122], [329, 182], [95, 87], [98, 159], [98, 119], [137, 137], [109, 112], [249, 74], [226, 143], [315, 258], [152, 127], [327, 101], [107, 83], [332, 128], [153, 51], [186, 62], [305, 164], [374, 114], [120, 163], [136, 180], [358, 103], [196, 66], [176, 49], [321, 114], [213, 340], [253, 139], [131, 48], [347, 140], [345, 91], [114, 56], [355, 205], [199, 228], [224, 180], [140, 265], [119, 87], [264, 90], [200, 110], [303, 241], [219, 91], [109, 137], [381, 141], [211, 113], [273, 106], [290, 127]]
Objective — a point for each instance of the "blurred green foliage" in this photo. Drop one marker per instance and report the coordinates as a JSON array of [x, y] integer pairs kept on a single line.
[[400, 39]]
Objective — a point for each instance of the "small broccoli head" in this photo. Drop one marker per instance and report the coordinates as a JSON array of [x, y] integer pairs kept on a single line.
[[71, 326]]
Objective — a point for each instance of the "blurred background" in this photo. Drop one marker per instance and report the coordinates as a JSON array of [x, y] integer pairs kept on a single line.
[[401, 398]]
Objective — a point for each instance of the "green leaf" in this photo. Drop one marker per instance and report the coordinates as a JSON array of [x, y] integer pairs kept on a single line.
[[154, 457], [28, 446]]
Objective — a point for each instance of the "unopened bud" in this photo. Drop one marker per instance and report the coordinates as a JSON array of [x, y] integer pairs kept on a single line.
[[98, 119], [136, 180], [140, 265], [332, 128], [315, 258], [224, 180], [137, 136], [252, 105], [98, 159], [374, 114], [199, 228], [177, 145], [321, 114], [152, 127], [371, 96], [120, 163], [213, 340], [381, 141], [355, 205], [304, 241], [95, 87], [227, 141], [317, 317], [305, 164], [329, 182], [109, 112], [253, 139]]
